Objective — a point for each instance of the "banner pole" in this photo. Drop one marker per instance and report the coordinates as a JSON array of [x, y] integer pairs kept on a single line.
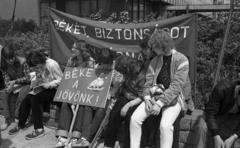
[[195, 68], [73, 121], [49, 32], [223, 44]]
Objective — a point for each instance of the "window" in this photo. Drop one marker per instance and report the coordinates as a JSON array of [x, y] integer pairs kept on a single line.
[[94, 7], [85, 8], [141, 9], [105, 6], [43, 11], [135, 10], [72, 7]]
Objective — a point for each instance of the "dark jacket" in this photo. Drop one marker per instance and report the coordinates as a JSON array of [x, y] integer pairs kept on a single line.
[[220, 103]]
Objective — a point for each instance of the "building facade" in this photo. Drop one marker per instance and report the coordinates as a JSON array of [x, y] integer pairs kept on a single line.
[[137, 9]]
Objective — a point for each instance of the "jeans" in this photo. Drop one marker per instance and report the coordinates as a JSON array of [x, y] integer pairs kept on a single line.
[[115, 121], [148, 129], [92, 120], [169, 115], [34, 102], [200, 139], [65, 121], [12, 103]]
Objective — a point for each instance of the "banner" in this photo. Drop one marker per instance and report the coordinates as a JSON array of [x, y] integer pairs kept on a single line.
[[65, 29], [84, 86]]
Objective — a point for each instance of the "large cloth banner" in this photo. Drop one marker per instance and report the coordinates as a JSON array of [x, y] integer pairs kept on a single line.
[[84, 86], [65, 29]]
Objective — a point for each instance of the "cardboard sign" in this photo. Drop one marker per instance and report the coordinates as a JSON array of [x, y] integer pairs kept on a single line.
[[84, 86]]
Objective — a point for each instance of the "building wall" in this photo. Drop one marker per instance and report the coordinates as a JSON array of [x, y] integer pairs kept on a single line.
[[27, 9]]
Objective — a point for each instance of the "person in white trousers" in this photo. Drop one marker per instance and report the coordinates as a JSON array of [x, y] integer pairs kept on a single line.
[[170, 70]]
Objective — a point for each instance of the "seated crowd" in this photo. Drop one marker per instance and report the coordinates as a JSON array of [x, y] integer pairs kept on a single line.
[[150, 96]]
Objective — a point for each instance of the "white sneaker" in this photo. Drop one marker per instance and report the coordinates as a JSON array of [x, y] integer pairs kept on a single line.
[[60, 142], [72, 142]]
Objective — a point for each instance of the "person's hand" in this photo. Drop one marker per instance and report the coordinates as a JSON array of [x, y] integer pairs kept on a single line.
[[124, 110], [229, 142], [155, 109], [218, 142], [10, 85], [148, 105], [46, 85], [153, 90]]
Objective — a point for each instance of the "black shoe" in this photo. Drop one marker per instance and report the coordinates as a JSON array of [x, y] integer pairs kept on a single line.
[[35, 134], [15, 130]]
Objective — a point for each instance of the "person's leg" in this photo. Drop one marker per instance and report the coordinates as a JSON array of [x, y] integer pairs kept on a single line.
[[21, 95], [150, 128], [64, 123], [36, 100], [176, 131], [139, 115], [65, 119], [114, 122], [87, 120], [200, 137], [126, 143], [169, 115], [7, 97], [12, 102], [23, 116], [97, 120], [37, 111], [77, 127]]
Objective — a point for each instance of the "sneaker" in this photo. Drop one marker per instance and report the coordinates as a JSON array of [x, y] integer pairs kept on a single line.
[[81, 143], [5, 126], [60, 142], [35, 134], [15, 130], [72, 142]]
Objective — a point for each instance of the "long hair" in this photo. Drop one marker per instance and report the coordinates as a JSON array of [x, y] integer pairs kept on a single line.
[[144, 43], [161, 39], [126, 65], [34, 58], [85, 53], [105, 56], [8, 53]]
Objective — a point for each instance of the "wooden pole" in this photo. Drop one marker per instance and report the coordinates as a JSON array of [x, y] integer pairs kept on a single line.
[[12, 19], [223, 44], [75, 110]]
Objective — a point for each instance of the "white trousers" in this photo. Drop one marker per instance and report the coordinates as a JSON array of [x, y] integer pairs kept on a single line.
[[169, 115]]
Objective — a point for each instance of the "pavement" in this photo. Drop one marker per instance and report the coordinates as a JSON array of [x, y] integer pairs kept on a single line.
[[19, 141]]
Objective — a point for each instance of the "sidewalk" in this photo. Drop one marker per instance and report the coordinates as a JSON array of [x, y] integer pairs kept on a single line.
[[19, 141]]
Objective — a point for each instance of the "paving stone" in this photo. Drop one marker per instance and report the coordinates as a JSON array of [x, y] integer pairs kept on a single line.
[[186, 137], [185, 123]]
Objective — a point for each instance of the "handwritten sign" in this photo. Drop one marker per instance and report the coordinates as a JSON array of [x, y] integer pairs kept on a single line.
[[84, 86]]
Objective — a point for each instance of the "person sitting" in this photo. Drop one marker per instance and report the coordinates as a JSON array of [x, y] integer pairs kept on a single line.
[[170, 69], [93, 116], [221, 111], [15, 72], [48, 76], [81, 58], [130, 97]]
